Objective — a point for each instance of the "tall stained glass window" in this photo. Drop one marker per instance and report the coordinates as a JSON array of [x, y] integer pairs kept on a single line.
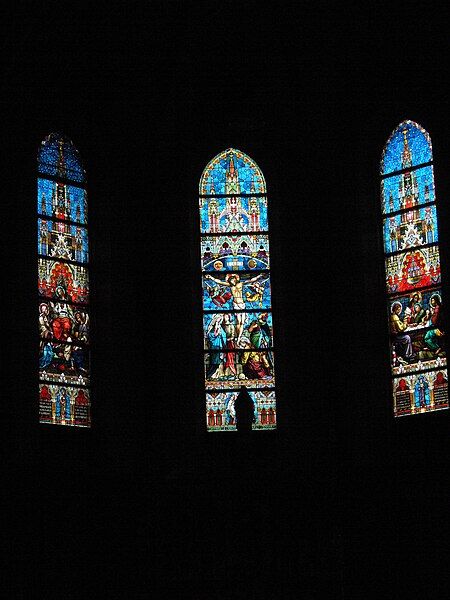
[[237, 307], [63, 285], [413, 272]]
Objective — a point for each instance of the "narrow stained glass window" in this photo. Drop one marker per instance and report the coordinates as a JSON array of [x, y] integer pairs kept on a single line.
[[237, 307], [63, 285], [413, 272]]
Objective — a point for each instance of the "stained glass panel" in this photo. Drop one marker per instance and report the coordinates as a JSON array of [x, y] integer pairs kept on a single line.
[[418, 309], [62, 201], [235, 253], [410, 189], [408, 146], [237, 330], [63, 281], [64, 405], [233, 214], [64, 362], [421, 392], [231, 369], [58, 157], [232, 172], [417, 351], [63, 321], [413, 269], [61, 240], [415, 227], [221, 413], [243, 291]]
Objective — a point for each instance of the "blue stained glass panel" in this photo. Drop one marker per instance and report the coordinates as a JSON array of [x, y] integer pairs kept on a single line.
[[221, 413], [233, 214], [232, 172], [410, 229], [64, 405], [235, 253], [408, 146], [238, 330], [62, 201], [57, 156], [61, 240], [236, 291], [408, 189], [63, 281]]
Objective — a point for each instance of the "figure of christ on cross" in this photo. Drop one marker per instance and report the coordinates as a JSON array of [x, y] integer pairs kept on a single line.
[[233, 281]]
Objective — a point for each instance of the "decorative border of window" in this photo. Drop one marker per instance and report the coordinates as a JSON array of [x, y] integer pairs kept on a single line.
[[413, 272], [237, 306], [63, 285]]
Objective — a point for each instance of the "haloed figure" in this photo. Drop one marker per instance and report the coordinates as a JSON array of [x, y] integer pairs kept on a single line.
[[216, 339], [433, 337]]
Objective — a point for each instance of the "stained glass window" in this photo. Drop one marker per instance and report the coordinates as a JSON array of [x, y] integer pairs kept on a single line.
[[63, 285], [237, 305], [413, 272]]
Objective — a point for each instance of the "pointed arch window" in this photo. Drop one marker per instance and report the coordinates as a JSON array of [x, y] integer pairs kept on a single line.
[[237, 305], [413, 272], [63, 285]]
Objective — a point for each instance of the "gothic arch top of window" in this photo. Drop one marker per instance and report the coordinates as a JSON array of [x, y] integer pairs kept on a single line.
[[247, 177], [58, 157], [409, 145]]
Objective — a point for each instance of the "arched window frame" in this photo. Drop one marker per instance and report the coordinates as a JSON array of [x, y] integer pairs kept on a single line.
[[413, 272], [235, 261], [63, 285]]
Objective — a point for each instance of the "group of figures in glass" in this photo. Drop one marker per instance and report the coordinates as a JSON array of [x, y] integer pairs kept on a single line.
[[413, 272], [237, 320], [63, 285]]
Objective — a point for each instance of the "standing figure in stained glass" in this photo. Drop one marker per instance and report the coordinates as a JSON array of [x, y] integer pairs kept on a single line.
[[433, 337], [44, 237], [259, 332], [45, 330], [429, 226], [216, 338], [393, 234], [81, 329], [45, 334], [421, 393], [78, 245]]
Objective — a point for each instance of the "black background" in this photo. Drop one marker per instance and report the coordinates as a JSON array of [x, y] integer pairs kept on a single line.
[[343, 500]]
